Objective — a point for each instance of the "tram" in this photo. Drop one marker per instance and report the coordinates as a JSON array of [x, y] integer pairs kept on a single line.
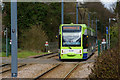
[[76, 41]]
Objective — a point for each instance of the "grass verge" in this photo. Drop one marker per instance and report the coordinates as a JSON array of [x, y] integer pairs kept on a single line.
[[3, 54], [24, 53]]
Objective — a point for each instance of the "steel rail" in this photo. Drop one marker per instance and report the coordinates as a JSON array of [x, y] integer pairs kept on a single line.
[[52, 56], [4, 65], [66, 76], [10, 68], [44, 55], [37, 78]]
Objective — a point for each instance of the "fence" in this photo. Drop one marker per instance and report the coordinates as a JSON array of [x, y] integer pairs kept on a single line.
[[101, 47], [4, 46], [53, 46]]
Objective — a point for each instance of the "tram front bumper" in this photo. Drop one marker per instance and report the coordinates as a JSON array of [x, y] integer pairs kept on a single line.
[[71, 56]]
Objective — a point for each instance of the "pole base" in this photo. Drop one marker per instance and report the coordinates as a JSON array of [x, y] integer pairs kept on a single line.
[[14, 74]]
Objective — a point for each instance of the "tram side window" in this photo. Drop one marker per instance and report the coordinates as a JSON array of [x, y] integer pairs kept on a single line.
[[89, 34], [85, 41]]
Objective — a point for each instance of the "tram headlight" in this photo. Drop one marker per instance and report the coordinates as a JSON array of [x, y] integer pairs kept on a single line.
[[80, 51], [62, 51]]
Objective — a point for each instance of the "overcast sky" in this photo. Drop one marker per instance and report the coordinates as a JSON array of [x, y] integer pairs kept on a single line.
[[108, 3]]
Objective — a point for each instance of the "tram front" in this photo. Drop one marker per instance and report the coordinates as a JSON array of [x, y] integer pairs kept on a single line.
[[71, 42]]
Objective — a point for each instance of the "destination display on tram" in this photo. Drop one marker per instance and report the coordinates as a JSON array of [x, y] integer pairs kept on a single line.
[[71, 28]]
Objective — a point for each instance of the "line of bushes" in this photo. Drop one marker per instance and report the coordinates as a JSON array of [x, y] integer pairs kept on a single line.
[[107, 65]]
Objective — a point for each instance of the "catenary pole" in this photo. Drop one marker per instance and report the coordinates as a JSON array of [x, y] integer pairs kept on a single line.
[[96, 31], [62, 12], [14, 60], [77, 13], [6, 42], [92, 23], [88, 19], [109, 32]]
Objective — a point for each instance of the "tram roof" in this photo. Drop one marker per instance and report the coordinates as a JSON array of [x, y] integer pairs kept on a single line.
[[83, 25]]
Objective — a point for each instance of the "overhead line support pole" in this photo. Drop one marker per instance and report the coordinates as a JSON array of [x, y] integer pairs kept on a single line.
[[6, 42], [77, 13], [109, 33], [88, 19], [62, 12], [14, 60], [92, 24], [96, 31]]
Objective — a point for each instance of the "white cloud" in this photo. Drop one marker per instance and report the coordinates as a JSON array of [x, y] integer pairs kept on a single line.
[[108, 3]]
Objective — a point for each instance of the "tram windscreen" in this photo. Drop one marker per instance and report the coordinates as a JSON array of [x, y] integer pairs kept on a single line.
[[71, 36]]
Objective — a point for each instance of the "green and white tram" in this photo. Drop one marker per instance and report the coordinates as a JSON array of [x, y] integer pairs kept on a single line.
[[76, 41]]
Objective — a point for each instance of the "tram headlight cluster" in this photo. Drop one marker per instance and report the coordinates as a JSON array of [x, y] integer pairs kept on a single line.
[[63, 51], [80, 51]]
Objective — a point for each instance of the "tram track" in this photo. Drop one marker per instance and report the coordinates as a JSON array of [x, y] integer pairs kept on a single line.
[[43, 55], [60, 70], [65, 75], [4, 70], [52, 56], [3, 65], [49, 55], [71, 71], [37, 78]]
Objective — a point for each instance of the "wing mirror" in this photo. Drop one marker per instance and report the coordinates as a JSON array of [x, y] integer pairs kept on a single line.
[[56, 36]]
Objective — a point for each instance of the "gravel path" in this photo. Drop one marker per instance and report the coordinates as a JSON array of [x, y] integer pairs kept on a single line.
[[82, 71], [60, 71], [34, 70], [30, 71]]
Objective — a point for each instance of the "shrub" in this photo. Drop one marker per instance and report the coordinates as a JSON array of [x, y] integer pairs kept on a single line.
[[34, 39], [114, 35], [106, 66]]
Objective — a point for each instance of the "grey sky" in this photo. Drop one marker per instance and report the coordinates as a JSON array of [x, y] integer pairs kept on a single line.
[[108, 3]]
